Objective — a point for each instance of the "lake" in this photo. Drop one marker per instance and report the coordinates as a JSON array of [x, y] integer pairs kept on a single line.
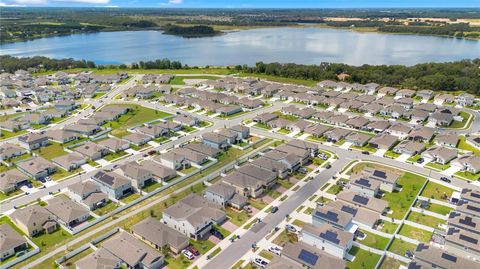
[[299, 45]]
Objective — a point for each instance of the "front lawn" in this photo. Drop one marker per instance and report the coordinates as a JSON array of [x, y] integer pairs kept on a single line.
[[437, 166], [236, 217], [461, 124], [425, 219], [363, 259], [415, 233], [400, 247], [436, 191], [283, 131], [258, 203], [391, 154], [262, 126], [374, 240], [462, 144], [285, 237], [468, 175], [115, 155], [367, 147], [335, 189], [60, 173], [400, 201]]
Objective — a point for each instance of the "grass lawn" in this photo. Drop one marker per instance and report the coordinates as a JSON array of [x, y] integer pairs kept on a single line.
[[54, 239], [437, 166], [400, 201], [153, 185], [215, 252], [6, 134], [283, 131], [436, 191], [4, 196], [266, 254], [439, 209], [222, 230], [391, 154], [335, 189], [415, 233], [179, 263], [425, 219], [273, 193], [202, 245], [19, 158], [391, 263], [82, 139], [298, 223], [60, 173], [262, 126], [179, 80], [130, 198], [51, 151], [112, 156], [99, 95], [70, 263], [309, 210], [187, 171], [468, 175], [374, 240], [400, 247], [363, 259], [258, 203], [6, 220], [285, 183], [367, 147], [388, 227], [414, 158], [106, 208], [285, 237], [462, 144], [237, 218], [137, 115], [461, 124]]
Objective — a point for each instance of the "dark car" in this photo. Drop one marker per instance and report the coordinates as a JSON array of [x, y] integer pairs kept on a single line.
[[193, 250], [365, 152], [420, 160], [29, 185], [216, 233], [274, 209], [445, 179], [328, 166], [151, 152], [302, 170], [42, 180]]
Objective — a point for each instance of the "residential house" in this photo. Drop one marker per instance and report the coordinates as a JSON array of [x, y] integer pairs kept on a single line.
[[159, 172], [101, 258], [331, 216], [12, 180], [11, 242], [9, 150], [88, 194], [243, 132], [470, 163], [383, 141], [422, 134], [92, 151], [83, 129], [159, 236], [361, 184], [449, 140], [425, 94], [61, 136], [224, 194], [333, 241], [173, 160], [264, 175], [132, 252], [33, 141], [388, 179], [114, 144], [441, 119], [363, 201], [70, 161], [37, 167], [114, 185], [357, 139], [465, 99], [215, 140], [441, 155], [67, 212], [307, 256], [458, 240], [137, 139], [400, 130], [140, 175], [245, 185], [193, 216], [429, 256], [153, 130], [378, 126], [336, 134]]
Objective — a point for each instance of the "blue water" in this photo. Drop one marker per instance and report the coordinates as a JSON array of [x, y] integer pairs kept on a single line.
[[298, 45]]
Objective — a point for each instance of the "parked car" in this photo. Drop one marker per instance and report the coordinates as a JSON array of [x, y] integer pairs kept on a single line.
[[290, 228], [420, 160], [302, 170], [151, 152], [248, 209], [445, 179], [188, 254], [193, 250], [260, 262], [29, 185], [216, 233], [409, 254], [275, 250], [274, 209], [42, 180], [328, 166], [365, 152]]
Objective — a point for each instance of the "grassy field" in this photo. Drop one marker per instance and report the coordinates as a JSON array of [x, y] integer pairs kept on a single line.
[[400, 201], [51, 151], [363, 259], [54, 239], [285, 237], [388, 227], [136, 116], [112, 156], [425, 219], [106, 208], [436, 191], [415, 233], [400, 247], [179, 80], [391, 263], [374, 240], [463, 123], [437, 166], [468, 175], [439, 209]]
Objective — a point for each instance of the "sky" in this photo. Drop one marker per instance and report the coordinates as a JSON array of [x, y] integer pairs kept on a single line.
[[247, 3]]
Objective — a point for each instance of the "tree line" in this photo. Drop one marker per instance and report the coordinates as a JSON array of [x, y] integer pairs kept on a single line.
[[449, 76]]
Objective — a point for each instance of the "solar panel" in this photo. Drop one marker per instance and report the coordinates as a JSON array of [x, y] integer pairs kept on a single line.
[[467, 221], [308, 257], [364, 182], [378, 173], [360, 199], [332, 216], [330, 236], [468, 239], [476, 195], [449, 257], [349, 210], [473, 208]]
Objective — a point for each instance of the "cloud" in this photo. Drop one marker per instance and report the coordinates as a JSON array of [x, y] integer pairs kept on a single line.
[[85, 1], [2, 4], [175, 2]]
